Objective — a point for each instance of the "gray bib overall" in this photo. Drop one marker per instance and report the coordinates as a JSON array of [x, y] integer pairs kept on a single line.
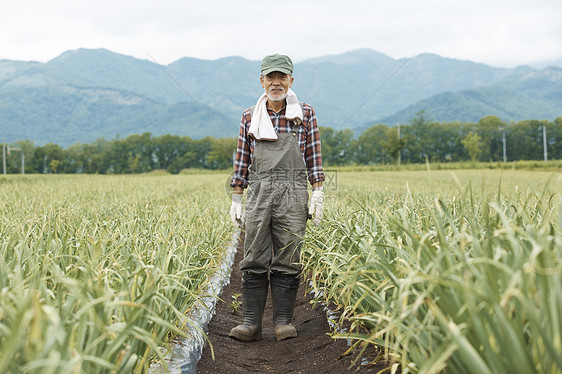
[[276, 207]]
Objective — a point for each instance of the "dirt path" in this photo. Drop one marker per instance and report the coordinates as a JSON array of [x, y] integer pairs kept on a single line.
[[313, 351]]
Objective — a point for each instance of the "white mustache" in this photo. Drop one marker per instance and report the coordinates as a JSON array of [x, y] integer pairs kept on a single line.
[[278, 98]]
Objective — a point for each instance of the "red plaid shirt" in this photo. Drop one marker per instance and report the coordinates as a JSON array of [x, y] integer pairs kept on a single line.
[[308, 138]]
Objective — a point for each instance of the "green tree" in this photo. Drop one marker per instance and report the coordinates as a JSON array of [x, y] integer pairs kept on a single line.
[[14, 158], [370, 145], [193, 154], [220, 156], [418, 138], [554, 136], [527, 138], [394, 144], [141, 147], [53, 165], [489, 129], [446, 141], [166, 149], [201, 148], [93, 159], [42, 157], [133, 162], [472, 143], [73, 162], [337, 146]]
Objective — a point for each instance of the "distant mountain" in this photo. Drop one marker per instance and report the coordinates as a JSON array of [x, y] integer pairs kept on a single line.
[[547, 63], [363, 86], [66, 115], [85, 94], [524, 94]]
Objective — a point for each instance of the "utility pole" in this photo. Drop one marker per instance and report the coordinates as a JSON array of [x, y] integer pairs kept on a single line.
[[4, 156], [502, 130], [22, 157], [544, 142], [4, 147], [399, 152]]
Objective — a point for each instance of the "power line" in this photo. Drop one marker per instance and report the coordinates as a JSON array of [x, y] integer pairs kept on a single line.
[[376, 90], [187, 92]]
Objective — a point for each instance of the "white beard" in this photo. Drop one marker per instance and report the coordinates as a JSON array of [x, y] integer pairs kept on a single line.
[[281, 98]]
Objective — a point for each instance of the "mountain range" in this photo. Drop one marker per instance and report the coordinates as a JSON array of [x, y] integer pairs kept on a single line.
[[86, 94]]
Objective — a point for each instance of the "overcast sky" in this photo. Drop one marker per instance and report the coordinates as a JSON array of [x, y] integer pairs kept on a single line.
[[495, 32]]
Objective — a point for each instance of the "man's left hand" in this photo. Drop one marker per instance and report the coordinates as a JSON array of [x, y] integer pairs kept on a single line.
[[316, 208], [236, 210]]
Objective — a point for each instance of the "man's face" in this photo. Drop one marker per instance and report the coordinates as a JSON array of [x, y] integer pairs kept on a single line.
[[276, 85]]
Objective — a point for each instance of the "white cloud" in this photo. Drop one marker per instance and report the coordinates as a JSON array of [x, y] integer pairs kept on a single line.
[[496, 32]]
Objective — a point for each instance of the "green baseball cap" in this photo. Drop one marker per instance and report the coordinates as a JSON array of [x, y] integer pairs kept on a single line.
[[273, 63]]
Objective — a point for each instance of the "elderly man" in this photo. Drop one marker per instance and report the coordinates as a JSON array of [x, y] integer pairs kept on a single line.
[[278, 147]]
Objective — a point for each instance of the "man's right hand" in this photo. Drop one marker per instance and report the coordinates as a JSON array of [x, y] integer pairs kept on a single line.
[[236, 210]]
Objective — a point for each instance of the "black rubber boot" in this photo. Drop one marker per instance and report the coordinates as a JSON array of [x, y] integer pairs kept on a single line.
[[284, 290], [254, 295]]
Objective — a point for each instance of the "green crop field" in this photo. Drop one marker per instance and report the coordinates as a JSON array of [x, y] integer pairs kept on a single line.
[[457, 272], [97, 271]]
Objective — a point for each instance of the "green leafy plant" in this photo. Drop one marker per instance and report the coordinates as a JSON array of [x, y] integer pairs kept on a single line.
[[235, 304], [97, 273], [444, 276]]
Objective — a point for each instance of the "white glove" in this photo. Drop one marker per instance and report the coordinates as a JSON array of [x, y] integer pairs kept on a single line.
[[236, 210], [316, 206]]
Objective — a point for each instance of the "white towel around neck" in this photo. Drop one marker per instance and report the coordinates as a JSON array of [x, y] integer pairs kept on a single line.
[[261, 126]]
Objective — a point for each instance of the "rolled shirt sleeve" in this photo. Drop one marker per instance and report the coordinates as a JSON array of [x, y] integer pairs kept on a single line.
[[313, 152], [243, 153]]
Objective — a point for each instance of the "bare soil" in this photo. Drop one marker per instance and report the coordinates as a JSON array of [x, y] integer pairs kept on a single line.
[[313, 351]]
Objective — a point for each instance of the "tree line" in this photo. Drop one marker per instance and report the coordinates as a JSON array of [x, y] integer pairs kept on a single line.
[[419, 141]]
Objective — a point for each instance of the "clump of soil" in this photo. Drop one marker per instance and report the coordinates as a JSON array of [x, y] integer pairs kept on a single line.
[[313, 351]]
